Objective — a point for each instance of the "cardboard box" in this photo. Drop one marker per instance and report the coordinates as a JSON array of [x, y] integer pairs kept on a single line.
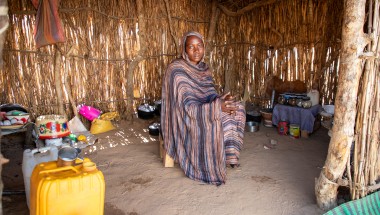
[[304, 134]]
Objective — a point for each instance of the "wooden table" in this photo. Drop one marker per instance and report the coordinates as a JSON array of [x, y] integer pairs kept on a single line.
[[28, 129], [304, 117]]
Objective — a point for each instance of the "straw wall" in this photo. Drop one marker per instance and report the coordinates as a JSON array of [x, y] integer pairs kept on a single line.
[[103, 40]]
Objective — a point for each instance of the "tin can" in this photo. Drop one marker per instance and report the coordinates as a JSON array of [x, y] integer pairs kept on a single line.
[[294, 131]]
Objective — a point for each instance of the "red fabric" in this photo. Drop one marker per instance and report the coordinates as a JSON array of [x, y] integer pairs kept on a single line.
[[48, 29]]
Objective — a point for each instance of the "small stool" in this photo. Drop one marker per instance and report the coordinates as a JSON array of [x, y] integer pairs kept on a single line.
[[166, 159]]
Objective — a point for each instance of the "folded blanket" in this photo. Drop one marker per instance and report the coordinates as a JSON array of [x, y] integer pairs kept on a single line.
[[367, 205]]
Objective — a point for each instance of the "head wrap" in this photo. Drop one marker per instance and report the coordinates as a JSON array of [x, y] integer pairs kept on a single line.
[[184, 38]]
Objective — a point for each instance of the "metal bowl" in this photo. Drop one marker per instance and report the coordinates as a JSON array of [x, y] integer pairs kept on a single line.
[[252, 126]]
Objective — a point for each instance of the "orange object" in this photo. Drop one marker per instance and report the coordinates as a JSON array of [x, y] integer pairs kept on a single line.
[[75, 189], [100, 126], [283, 128]]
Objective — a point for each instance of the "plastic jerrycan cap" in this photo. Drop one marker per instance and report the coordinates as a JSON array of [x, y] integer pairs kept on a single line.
[[89, 166]]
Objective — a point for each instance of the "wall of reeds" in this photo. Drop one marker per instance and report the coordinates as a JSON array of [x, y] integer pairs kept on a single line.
[[295, 40]]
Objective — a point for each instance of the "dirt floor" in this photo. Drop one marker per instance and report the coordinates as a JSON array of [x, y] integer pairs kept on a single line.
[[272, 179]]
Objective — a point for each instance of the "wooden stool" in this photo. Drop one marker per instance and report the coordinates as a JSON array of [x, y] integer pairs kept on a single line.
[[166, 159]]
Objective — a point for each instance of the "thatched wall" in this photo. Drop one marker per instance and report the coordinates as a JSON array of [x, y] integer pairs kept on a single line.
[[296, 40]]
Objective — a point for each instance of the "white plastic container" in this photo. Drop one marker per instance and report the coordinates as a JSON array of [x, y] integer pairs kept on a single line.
[[53, 142], [33, 157], [314, 97]]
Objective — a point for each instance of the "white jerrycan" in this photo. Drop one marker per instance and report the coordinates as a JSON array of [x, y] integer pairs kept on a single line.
[[33, 157]]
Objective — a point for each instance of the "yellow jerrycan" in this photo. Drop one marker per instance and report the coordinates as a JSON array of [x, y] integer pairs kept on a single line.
[[74, 189]]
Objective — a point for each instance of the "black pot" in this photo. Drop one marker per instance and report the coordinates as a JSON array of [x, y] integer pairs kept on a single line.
[[145, 111], [154, 129], [157, 111], [145, 114], [253, 116]]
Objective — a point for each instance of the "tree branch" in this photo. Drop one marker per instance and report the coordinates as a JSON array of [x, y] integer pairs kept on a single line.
[[247, 8]]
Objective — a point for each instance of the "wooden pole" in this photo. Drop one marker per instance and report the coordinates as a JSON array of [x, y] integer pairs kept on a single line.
[[67, 81], [211, 30], [171, 28], [4, 23], [215, 12], [57, 80], [353, 43], [136, 60]]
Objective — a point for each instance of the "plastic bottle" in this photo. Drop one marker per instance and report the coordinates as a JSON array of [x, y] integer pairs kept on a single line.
[[314, 94]]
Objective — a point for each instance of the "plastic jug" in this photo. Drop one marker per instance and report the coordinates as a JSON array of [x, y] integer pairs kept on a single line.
[[314, 97], [77, 189], [33, 157]]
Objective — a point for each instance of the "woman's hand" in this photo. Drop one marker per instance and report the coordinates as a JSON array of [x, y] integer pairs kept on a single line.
[[228, 97], [229, 105]]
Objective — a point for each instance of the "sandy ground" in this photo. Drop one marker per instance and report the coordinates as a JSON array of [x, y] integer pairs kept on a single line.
[[269, 181]]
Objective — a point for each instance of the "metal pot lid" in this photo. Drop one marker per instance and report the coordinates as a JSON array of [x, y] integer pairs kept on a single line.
[[254, 113], [154, 126], [146, 108]]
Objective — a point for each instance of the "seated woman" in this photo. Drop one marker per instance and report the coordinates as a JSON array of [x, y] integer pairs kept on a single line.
[[202, 130]]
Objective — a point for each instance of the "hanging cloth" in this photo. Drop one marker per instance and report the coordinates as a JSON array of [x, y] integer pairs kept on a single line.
[[48, 29]]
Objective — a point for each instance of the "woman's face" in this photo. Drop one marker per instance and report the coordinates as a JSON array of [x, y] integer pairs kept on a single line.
[[194, 48]]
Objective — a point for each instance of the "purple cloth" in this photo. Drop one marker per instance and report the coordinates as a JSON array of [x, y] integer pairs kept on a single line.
[[295, 115]]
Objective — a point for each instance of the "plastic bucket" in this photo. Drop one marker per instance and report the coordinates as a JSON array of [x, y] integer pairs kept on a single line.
[[282, 128], [294, 130]]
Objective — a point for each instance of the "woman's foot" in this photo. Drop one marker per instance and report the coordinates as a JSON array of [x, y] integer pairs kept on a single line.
[[234, 165]]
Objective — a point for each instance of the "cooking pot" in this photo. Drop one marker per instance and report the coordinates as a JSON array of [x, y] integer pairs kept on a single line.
[[67, 156], [251, 126], [154, 129], [157, 107], [281, 99], [253, 116], [293, 101], [145, 111]]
